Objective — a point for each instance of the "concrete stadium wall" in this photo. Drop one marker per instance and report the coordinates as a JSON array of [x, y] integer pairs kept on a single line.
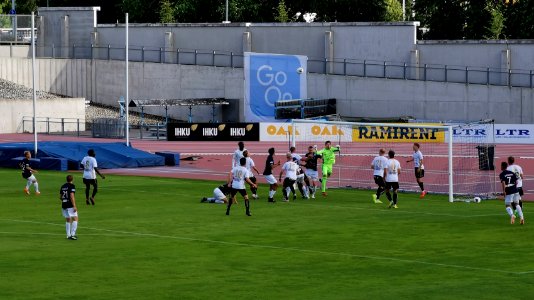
[[378, 41], [103, 82], [491, 54], [384, 98], [14, 110]]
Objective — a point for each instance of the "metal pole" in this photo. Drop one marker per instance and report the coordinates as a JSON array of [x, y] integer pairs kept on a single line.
[[451, 177], [34, 96], [226, 20], [404, 10], [127, 99]]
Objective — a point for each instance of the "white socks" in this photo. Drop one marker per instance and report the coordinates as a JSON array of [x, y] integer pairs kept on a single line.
[[510, 212], [36, 187], [519, 211], [271, 194], [73, 227], [211, 199], [67, 227], [28, 184]]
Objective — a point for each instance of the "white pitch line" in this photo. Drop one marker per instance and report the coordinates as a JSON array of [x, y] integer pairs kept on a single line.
[[383, 258], [404, 211]]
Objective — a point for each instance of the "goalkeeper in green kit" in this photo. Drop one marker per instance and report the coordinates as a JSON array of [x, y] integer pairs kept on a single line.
[[329, 159]]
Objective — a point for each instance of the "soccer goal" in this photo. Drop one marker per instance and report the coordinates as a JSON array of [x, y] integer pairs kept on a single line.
[[458, 158]]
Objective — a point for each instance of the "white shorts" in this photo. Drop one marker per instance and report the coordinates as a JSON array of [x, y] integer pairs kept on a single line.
[[31, 178], [218, 194], [300, 178], [314, 175], [69, 212], [270, 179], [508, 199]]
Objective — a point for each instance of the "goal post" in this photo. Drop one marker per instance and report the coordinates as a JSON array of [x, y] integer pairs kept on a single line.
[[452, 166]]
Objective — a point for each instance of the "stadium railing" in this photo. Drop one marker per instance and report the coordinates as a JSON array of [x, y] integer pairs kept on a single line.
[[337, 66]]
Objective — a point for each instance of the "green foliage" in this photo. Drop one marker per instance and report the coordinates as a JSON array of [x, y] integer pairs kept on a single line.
[[393, 11], [519, 20], [282, 14], [5, 5], [166, 12], [150, 238]]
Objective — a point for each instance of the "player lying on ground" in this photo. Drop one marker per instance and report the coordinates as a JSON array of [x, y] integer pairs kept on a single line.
[[28, 174], [68, 207], [378, 165], [511, 195], [329, 159], [236, 180], [219, 195], [290, 169]]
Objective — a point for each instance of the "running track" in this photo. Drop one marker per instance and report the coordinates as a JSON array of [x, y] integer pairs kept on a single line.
[[215, 160]]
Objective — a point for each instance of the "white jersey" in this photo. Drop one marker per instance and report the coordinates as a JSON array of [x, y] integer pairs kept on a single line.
[[417, 158], [379, 164], [89, 165], [238, 177], [291, 170], [236, 157], [249, 165], [392, 170], [518, 171]]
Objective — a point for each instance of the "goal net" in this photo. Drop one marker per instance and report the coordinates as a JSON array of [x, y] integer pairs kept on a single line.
[[458, 158]]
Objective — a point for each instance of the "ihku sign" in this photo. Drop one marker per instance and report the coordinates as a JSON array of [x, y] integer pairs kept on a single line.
[[269, 78], [213, 132]]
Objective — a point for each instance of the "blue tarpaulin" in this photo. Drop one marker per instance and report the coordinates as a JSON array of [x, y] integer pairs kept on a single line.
[[108, 155]]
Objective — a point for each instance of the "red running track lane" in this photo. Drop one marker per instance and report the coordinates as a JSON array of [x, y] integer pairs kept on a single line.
[[215, 159]]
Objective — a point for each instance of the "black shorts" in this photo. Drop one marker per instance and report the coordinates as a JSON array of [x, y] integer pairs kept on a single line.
[[243, 192], [253, 179], [419, 174], [379, 180], [89, 181], [520, 190], [392, 185], [288, 182]]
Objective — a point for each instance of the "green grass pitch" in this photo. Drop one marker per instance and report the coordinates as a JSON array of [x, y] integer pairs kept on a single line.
[[150, 238]]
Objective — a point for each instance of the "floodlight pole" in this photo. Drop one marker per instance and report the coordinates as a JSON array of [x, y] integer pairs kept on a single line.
[[226, 20], [34, 96], [404, 10], [127, 100]]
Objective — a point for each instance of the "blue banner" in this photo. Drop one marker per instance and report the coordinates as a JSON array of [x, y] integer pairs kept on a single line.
[[269, 78]]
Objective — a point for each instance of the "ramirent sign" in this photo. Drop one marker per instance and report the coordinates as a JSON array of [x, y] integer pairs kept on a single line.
[[397, 134]]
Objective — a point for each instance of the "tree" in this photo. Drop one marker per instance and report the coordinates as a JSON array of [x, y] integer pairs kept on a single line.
[[445, 19], [461, 19], [519, 20], [393, 11], [5, 5], [282, 14], [166, 12]]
